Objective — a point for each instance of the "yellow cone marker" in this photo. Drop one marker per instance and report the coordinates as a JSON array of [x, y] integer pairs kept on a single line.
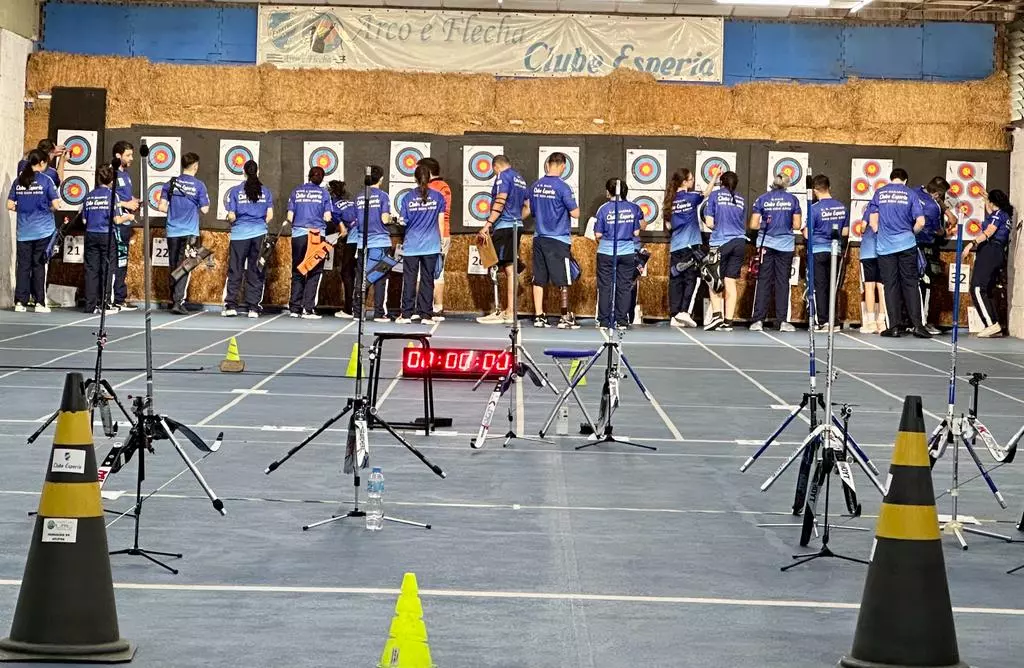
[[232, 363], [407, 640]]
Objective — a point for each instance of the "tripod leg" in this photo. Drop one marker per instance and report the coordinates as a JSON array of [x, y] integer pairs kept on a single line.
[[113, 395], [38, 432], [218, 505], [398, 437], [984, 473], [801, 449], [406, 522], [771, 439], [324, 427]]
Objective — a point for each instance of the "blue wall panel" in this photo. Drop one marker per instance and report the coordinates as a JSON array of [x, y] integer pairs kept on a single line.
[[754, 51]]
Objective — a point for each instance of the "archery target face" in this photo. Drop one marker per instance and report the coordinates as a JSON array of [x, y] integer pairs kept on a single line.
[[791, 166], [478, 164], [645, 169], [327, 155], [711, 165], [234, 153], [153, 198], [163, 162], [973, 227], [73, 190], [80, 148], [571, 174], [857, 222], [650, 204], [476, 208], [968, 181], [162, 157], [399, 192], [405, 156], [868, 175]]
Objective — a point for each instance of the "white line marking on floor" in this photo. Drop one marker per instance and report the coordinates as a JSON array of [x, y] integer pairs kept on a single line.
[[965, 349], [853, 375], [93, 347], [234, 402], [242, 390], [48, 329], [933, 368], [523, 596]]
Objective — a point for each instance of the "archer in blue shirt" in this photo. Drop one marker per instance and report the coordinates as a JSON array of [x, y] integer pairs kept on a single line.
[[777, 215], [725, 215], [680, 211], [377, 212], [55, 157], [33, 198], [124, 153], [183, 199], [552, 204], [874, 305], [503, 225], [827, 216], [898, 217], [617, 228], [423, 213], [100, 253], [250, 207], [309, 210], [990, 257]]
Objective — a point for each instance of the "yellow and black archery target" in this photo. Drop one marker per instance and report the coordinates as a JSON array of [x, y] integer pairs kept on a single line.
[[646, 169], [789, 169], [326, 158], [73, 190], [79, 150], [406, 160], [975, 189], [398, 197], [235, 159], [481, 165], [861, 186], [712, 168], [966, 171], [162, 157], [154, 195], [650, 206], [480, 206]]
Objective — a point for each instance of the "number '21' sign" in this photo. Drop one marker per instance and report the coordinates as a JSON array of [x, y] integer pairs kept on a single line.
[[74, 247]]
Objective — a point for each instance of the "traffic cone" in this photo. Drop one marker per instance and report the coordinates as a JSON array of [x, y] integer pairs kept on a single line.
[[906, 618], [66, 610], [407, 641], [232, 363], [574, 366], [353, 363]]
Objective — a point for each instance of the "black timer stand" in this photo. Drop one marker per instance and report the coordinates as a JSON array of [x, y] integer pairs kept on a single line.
[[429, 421]]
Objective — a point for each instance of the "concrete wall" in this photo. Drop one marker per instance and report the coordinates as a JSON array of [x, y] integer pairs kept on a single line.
[[20, 17], [14, 52], [1016, 270]]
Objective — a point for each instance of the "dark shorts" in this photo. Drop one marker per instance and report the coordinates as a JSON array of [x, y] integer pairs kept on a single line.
[[550, 262], [733, 254], [870, 269], [502, 240]]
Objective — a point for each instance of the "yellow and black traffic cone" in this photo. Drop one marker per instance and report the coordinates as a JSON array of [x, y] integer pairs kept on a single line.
[[232, 362], [906, 618], [407, 640], [66, 609]]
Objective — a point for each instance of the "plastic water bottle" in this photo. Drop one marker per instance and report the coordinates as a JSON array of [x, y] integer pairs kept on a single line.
[[375, 500]]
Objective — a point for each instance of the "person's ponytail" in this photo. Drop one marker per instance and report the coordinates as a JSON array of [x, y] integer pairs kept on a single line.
[[422, 175], [27, 175], [253, 186]]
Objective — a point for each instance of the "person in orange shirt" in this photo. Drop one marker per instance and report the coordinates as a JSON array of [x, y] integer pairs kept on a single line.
[[439, 184]]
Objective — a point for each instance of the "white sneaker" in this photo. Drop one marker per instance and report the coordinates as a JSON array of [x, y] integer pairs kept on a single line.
[[19, 308], [403, 321], [568, 321], [383, 319], [787, 327], [714, 322], [995, 329], [311, 316], [127, 307], [109, 310], [541, 321], [228, 313], [933, 330], [495, 318], [413, 318], [869, 327], [293, 314], [821, 328], [437, 317], [428, 321], [253, 314], [342, 314], [42, 308], [757, 326], [686, 319]]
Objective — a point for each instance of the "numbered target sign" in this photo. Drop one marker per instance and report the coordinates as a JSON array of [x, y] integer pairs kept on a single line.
[[965, 277], [645, 169], [73, 189], [234, 153], [475, 266], [80, 149], [329, 260], [711, 165], [791, 166], [478, 164], [405, 156], [477, 206], [160, 256], [327, 155], [794, 271], [74, 249]]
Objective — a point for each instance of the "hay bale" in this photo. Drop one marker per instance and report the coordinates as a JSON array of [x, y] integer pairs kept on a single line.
[[37, 123]]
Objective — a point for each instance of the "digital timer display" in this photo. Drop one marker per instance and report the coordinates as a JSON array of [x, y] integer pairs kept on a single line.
[[455, 362]]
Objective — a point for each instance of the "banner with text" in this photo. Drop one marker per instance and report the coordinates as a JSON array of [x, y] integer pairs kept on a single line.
[[504, 44]]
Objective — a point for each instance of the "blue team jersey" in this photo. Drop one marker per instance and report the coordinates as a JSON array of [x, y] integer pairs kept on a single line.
[[49, 171], [1001, 220], [898, 208], [308, 204], [33, 207], [728, 211], [343, 213], [377, 234], [551, 200], [250, 217], [618, 236], [685, 228], [867, 240], [932, 218], [124, 185], [96, 210], [422, 224], [183, 205], [824, 214], [513, 186], [777, 209]]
